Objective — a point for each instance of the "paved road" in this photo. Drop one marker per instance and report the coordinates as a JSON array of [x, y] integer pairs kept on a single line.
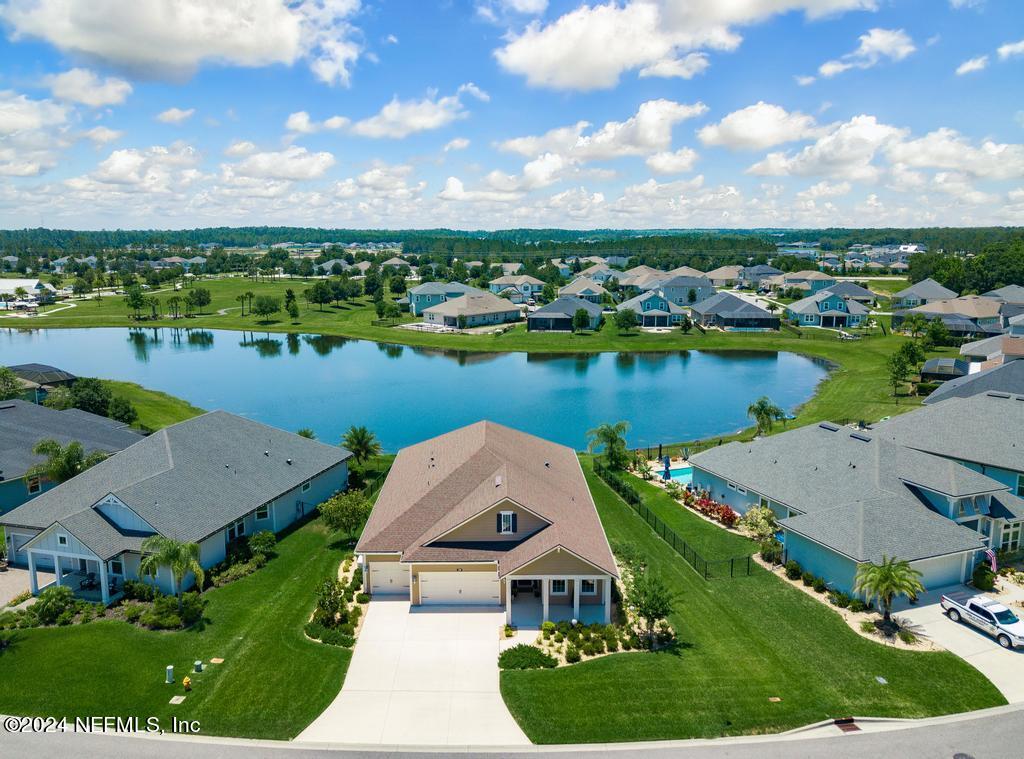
[[991, 734]]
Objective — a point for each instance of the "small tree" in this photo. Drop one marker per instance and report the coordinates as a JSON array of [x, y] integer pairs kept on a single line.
[[307, 433], [915, 324], [10, 387], [362, 443], [652, 600], [612, 438], [765, 413], [686, 325], [898, 369], [122, 410], [461, 321], [580, 320], [887, 581], [135, 299], [62, 461], [938, 332], [201, 298], [760, 522], [345, 512], [691, 296], [625, 320], [293, 311], [181, 558], [266, 306]]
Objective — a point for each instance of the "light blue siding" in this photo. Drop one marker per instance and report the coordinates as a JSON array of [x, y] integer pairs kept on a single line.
[[721, 492], [839, 572], [15, 492]]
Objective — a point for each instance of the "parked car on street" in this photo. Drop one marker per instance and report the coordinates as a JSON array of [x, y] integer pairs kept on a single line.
[[987, 615]]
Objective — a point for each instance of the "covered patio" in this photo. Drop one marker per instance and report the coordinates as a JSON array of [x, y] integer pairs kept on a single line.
[[88, 578], [533, 600]]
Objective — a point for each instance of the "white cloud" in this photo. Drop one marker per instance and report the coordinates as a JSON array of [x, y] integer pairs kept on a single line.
[[240, 148], [300, 123], [31, 134], [18, 112], [972, 65], [958, 4], [686, 67], [846, 152], [400, 118], [559, 140], [101, 135], [175, 115], [84, 86], [173, 38], [156, 170], [542, 171], [1010, 50], [454, 190], [459, 143], [384, 181], [590, 47], [960, 187], [294, 163], [759, 126], [824, 189], [804, 80], [948, 150], [391, 39], [679, 162], [875, 46]]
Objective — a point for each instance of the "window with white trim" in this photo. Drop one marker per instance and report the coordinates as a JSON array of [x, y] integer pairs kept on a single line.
[[35, 484], [506, 523], [588, 588], [558, 588], [305, 486], [116, 567], [1010, 539], [730, 485], [741, 490], [263, 512], [236, 530], [62, 540]]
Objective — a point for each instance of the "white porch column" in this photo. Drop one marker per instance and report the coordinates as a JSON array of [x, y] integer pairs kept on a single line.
[[576, 599], [508, 600], [56, 567], [104, 590], [607, 600], [545, 591], [33, 583]]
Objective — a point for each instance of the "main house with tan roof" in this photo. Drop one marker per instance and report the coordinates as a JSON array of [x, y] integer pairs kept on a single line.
[[489, 516]]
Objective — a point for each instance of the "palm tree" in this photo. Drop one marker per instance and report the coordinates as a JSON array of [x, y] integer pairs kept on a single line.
[[182, 558], [241, 300], [174, 303], [765, 413], [62, 461], [362, 443], [886, 581], [611, 437], [249, 295]]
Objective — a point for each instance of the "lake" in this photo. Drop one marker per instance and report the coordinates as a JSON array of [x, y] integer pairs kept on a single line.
[[407, 394]]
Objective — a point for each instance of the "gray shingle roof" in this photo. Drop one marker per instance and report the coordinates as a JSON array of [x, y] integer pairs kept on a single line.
[[1005, 378], [927, 289], [1009, 294], [24, 424], [986, 429], [728, 304], [850, 290], [635, 304], [811, 305], [567, 306], [443, 288], [189, 480]]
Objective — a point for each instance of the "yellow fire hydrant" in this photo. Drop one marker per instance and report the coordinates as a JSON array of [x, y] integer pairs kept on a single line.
[[187, 682]]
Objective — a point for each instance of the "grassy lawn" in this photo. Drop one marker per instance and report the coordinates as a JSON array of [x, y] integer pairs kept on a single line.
[[156, 409], [273, 681], [742, 641], [857, 390]]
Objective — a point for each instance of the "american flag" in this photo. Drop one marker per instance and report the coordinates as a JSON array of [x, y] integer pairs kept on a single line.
[[991, 556]]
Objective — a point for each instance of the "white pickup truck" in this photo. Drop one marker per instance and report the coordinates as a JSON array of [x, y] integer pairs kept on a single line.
[[987, 615]]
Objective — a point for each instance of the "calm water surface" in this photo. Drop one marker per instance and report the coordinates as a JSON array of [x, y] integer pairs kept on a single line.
[[408, 394]]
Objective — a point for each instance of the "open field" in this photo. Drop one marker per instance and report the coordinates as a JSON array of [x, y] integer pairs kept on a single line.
[[742, 641], [156, 409], [857, 389]]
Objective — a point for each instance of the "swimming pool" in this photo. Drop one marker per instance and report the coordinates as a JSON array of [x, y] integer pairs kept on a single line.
[[683, 475]]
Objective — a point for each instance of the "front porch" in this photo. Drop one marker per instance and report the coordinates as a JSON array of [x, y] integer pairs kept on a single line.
[[88, 579], [531, 601]]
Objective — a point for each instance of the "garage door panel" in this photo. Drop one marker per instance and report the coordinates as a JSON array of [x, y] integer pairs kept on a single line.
[[460, 588], [389, 578]]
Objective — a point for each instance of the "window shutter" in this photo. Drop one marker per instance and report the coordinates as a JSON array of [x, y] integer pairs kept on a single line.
[[498, 529], [514, 522]]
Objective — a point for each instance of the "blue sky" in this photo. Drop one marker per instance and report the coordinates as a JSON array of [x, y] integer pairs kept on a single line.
[[500, 113]]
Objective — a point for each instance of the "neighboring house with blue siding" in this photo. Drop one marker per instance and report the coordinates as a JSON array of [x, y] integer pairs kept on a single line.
[[809, 280], [935, 487], [519, 287], [682, 290], [212, 480], [827, 309], [653, 309], [430, 294], [921, 293], [24, 424]]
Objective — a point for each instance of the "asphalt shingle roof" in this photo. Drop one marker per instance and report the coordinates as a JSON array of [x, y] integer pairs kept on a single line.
[[1005, 378], [23, 424], [728, 304], [926, 289], [186, 481], [567, 306]]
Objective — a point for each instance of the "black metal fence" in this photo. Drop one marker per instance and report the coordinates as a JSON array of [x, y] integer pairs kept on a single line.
[[709, 569]]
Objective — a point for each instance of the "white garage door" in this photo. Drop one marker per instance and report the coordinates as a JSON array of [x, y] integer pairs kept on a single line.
[[389, 577], [940, 572], [465, 588]]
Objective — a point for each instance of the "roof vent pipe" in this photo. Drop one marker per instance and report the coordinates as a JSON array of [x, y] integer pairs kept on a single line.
[[289, 462]]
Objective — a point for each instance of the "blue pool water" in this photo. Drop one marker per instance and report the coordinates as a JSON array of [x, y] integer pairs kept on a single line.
[[682, 475], [409, 394]]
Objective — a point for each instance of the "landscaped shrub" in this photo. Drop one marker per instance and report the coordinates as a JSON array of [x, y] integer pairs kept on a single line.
[[262, 543], [52, 603], [612, 643], [66, 617], [808, 578], [362, 598], [572, 654], [524, 656], [840, 599], [868, 626], [906, 636], [156, 621], [332, 637], [559, 637], [139, 591], [192, 605], [771, 551], [793, 570], [820, 586], [858, 606], [983, 577], [132, 612]]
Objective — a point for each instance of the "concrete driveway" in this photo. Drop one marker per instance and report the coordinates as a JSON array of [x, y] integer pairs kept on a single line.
[[15, 581], [427, 677], [1004, 668]]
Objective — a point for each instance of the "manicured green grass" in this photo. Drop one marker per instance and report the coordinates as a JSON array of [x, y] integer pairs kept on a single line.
[[741, 641], [156, 409], [856, 390], [273, 681]]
